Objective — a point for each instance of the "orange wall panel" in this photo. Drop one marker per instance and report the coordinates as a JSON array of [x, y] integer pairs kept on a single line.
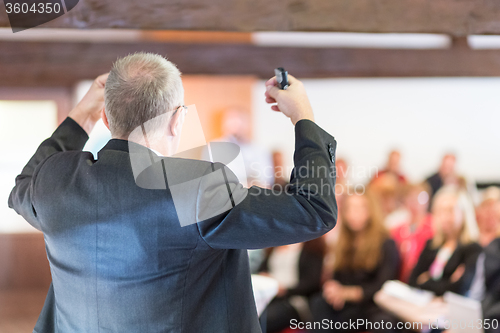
[[212, 95]]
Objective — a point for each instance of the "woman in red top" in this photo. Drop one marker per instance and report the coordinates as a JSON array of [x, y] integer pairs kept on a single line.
[[411, 237]]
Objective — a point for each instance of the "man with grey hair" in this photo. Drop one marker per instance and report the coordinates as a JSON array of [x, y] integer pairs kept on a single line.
[[120, 260], [141, 87]]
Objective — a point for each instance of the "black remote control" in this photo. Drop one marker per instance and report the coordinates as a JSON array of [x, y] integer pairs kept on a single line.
[[281, 77]]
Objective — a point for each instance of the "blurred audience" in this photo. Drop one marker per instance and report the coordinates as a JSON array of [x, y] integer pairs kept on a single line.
[[341, 183], [393, 167], [280, 174], [386, 185], [297, 268], [412, 235], [485, 285], [256, 166], [387, 191], [488, 215], [365, 257], [258, 169], [341, 186], [452, 250], [490, 277], [429, 235], [466, 200], [446, 174]]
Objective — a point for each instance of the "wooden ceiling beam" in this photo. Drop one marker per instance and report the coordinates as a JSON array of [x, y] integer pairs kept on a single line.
[[453, 17], [63, 64]]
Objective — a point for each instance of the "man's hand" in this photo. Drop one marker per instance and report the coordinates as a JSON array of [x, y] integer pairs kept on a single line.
[[88, 111], [292, 102]]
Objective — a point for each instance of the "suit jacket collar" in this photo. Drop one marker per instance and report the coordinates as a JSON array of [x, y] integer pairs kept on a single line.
[[123, 145], [116, 144]]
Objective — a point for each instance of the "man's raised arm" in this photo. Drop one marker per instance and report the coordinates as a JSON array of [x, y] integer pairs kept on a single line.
[[304, 210], [72, 134]]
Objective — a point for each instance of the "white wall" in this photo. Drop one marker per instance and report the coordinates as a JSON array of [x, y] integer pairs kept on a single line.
[[423, 117], [23, 126]]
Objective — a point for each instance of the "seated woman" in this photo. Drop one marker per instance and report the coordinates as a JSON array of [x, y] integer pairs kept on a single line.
[[365, 257], [452, 251], [412, 236]]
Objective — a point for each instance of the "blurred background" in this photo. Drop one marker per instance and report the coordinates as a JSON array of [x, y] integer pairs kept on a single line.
[[399, 92]]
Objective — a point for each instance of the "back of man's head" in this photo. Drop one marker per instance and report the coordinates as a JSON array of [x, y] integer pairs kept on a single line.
[[141, 87]]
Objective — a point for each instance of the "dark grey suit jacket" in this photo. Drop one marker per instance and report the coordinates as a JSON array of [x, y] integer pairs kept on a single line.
[[121, 262], [491, 302]]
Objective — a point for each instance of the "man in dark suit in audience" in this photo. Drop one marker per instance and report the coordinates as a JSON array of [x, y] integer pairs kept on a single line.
[[491, 301], [485, 286], [127, 251], [445, 175]]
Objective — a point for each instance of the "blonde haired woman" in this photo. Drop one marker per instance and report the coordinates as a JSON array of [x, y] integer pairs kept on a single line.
[[452, 251]]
